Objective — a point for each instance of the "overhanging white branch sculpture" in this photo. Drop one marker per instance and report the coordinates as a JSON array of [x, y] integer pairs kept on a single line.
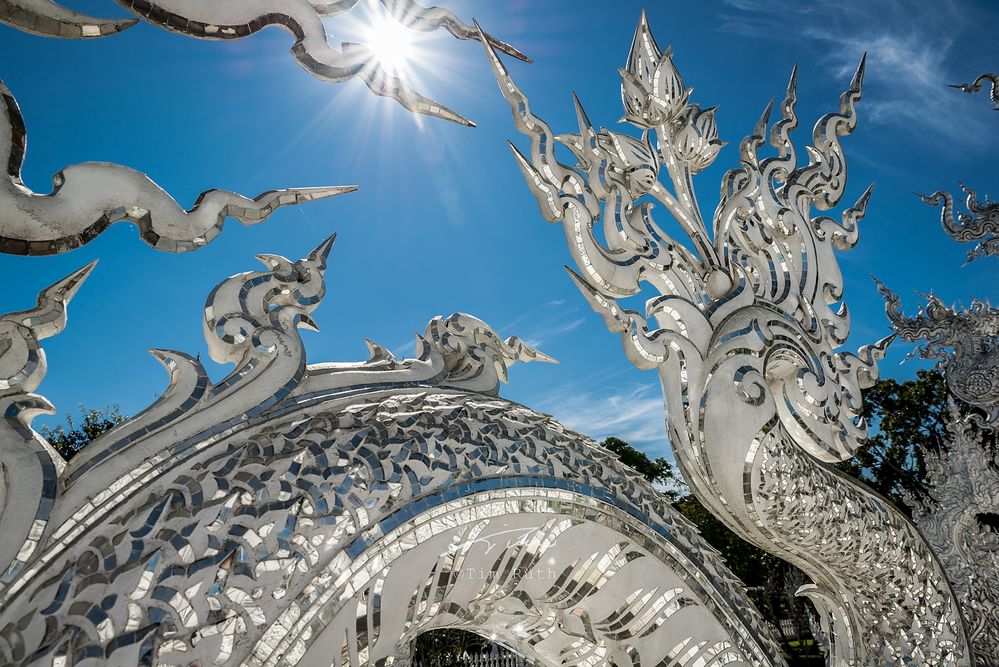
[[226, 20], [744, 334], [87, 198]]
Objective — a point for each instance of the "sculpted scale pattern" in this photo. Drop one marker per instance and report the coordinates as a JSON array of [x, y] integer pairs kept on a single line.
[[257, 519]]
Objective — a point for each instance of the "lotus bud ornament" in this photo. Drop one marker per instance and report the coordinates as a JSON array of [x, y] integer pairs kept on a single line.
[[638, 159], [696, 142], [651, 87]]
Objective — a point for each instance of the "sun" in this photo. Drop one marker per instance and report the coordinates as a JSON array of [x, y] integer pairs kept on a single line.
[[390, 41]]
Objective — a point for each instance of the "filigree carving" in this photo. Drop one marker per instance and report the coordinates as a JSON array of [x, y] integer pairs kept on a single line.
[[959, 516], [89, 197], [963, 341], [29, 466], [288, 509], [476, 357], [226, 20], [258, 548], [980, 223], [976, 86], [745, 332]]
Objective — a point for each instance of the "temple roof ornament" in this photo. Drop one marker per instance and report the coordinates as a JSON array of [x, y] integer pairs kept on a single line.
[[980, 223], [87, 198], [744, 331], [976, 86], [225, 20], [252, 320]]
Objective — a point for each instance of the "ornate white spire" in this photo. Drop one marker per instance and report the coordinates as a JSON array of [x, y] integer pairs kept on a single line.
[[745, 331]]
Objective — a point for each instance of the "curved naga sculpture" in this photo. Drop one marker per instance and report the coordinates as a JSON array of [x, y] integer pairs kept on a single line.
[[231, 20], [744, 335], [965, 343], [87, 198], [295, 514], [980, 223], [976, 86]]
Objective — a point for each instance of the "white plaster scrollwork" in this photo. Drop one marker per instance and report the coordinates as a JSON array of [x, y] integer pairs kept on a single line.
[[745, 333], [226, 20], [89, 197], [297, 514], [29, 467]]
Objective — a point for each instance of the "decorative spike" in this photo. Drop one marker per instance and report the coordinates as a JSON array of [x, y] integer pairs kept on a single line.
[[49, 316]]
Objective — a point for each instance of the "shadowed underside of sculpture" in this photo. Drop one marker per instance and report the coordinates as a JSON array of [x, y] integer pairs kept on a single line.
[[744, 331], [327, 514]]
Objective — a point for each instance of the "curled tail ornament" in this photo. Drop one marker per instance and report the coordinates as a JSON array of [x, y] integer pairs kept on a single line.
[[744, 330]]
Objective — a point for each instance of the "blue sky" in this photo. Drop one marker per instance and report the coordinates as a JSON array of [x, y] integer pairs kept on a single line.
[[442, 221]]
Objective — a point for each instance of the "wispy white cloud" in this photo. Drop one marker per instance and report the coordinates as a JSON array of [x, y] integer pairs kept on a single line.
[[634, 413], [909, 49], [554, 331]]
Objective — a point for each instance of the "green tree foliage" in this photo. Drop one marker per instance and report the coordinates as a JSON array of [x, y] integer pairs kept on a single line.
[[70, 438], [658, 471], [906, 419]]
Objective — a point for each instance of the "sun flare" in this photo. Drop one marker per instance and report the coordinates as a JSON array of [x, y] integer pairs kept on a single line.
[[391, 42]]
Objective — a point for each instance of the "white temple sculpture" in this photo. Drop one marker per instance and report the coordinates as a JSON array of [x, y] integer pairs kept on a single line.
[[226, 20], [964, 343], [327, 514], [979, 84], [980, 223], [29, 466], [87, 198], [959, 516], [960, 513], [744, 332]]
